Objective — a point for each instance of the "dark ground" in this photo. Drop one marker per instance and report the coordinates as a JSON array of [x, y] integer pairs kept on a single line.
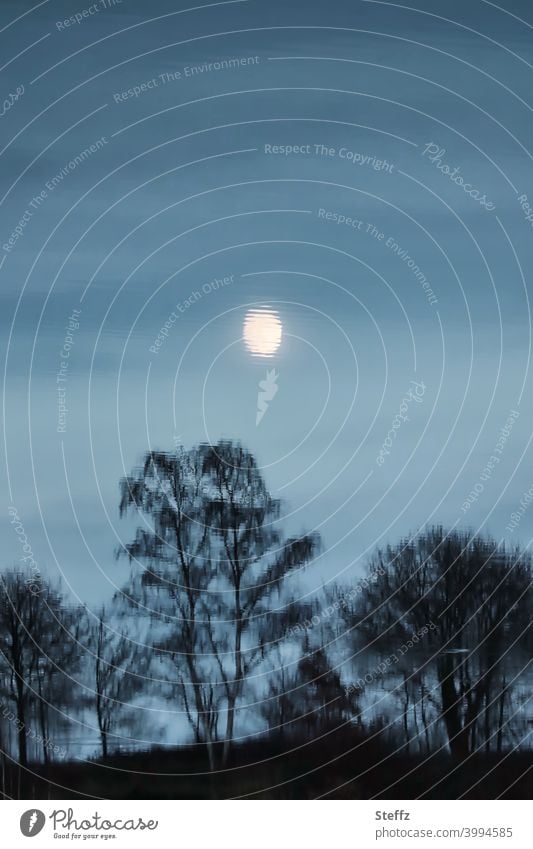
[[341, 765]]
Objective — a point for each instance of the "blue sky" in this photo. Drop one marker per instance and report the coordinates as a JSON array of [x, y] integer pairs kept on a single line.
[[182, 192]]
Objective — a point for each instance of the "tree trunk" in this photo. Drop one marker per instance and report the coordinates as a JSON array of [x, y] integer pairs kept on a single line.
[[23, 752], [210, 755], [230, 724], [103, 737], [487, 721], [424, 719], [43, 724], [457, 738], [237, 684], [406, 715], [21, 722], [501, 714]]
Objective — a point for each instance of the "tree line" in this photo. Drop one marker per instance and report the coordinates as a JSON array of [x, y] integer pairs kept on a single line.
[[430, 650]]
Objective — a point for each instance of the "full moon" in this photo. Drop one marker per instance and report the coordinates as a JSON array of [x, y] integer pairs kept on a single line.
[[262, 332]]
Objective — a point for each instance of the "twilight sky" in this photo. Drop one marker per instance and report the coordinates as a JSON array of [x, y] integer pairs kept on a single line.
[[320, 161]]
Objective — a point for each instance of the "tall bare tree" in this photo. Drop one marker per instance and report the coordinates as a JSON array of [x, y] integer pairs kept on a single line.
[[215, 563]]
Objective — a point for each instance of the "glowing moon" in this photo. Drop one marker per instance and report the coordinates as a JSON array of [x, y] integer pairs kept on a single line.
[[262, 332]]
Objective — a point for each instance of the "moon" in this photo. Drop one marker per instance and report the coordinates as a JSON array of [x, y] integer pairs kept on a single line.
[[262, 332]]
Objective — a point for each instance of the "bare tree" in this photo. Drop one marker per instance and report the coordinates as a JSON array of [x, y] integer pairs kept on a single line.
[[215, 566], [37, 635], [473, 598], [174, 545], [116, 673]]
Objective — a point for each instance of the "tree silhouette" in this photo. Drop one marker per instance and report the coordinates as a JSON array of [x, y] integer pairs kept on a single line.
[[37, 632], [473, 598], [215, 563], [116, 665]]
